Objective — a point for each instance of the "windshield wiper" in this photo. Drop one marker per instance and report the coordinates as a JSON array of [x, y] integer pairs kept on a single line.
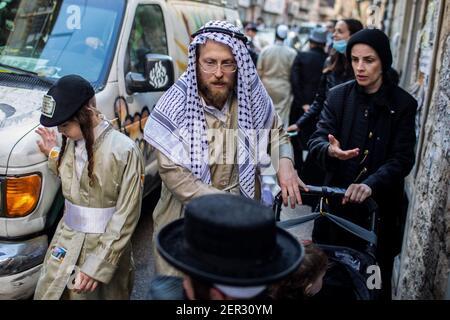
[[27, 73], [18, 69]]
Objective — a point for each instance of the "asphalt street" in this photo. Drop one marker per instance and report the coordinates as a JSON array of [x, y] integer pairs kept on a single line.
[[142, 248]]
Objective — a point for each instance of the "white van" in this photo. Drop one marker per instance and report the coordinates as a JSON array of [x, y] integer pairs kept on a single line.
[[130, 50]]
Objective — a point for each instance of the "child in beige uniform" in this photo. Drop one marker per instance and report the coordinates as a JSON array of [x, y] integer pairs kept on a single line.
[[101, 174]]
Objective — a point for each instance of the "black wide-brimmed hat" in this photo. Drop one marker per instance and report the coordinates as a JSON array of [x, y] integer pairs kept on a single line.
[[230, 240], [251, 26], [68, 95]]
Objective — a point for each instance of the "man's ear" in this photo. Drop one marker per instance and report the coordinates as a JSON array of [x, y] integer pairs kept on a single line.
[[216, 294]]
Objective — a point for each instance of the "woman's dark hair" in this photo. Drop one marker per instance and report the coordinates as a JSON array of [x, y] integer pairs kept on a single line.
[[338, 61], [353, 25], [314, 263], [84, 119]]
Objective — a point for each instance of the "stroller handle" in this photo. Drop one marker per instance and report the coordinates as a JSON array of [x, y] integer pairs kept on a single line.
[[324, 191]]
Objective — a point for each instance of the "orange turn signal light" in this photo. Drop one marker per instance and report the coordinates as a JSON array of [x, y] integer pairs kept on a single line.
[[22, 195]]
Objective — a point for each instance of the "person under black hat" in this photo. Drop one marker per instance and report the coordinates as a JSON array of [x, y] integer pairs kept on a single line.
[[251, 26], [229, 247], [68, 95], [253, 43], [318, 35]]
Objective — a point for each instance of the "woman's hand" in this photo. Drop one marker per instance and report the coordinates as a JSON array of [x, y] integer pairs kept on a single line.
[[357, 193], [335, 151]]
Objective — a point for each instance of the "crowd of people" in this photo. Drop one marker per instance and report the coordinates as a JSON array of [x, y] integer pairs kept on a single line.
[[213, 238]]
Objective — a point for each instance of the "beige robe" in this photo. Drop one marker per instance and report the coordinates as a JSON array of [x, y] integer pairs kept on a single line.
[[106, 257], [179, 185], [274, 68]]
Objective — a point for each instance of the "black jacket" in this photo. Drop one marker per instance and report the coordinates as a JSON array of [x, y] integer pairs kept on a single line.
[[388, 118], [305, 78], [384, 125], [391, 155], [328, 80]]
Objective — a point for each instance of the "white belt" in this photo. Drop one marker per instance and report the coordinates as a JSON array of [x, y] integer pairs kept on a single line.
[[87, 220]]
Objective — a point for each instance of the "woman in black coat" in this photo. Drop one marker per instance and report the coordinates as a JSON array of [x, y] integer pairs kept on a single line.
[[365, 140], [336, 70]]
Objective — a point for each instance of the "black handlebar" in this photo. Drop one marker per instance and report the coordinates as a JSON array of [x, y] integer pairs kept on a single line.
[[336, 192], [322, 191]]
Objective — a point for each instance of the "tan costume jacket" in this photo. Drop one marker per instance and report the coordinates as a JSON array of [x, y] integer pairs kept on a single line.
[[106, 257], [274, 68]]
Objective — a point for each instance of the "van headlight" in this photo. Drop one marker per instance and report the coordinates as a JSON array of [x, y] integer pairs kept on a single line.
[[21, 195]]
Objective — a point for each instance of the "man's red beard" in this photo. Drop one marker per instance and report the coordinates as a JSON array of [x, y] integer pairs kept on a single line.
[[212, 96]]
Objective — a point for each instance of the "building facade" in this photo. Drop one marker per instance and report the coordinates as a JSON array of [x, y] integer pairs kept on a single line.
[[420, 34], [292, 12], [420, 41]]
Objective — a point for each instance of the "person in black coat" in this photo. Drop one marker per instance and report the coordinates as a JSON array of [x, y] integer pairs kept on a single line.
[[336, 70], [253, 50], [305, 78], [306, 72], [365, 140]]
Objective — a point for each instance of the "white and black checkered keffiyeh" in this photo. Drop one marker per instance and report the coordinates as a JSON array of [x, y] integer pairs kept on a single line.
[[177, 125]]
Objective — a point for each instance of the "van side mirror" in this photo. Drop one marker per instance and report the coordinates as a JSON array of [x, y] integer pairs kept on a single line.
[[159, 75]]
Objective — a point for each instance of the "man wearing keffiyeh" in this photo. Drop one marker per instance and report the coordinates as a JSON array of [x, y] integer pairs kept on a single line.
[[212, 129]]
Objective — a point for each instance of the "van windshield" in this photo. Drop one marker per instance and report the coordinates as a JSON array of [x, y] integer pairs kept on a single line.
[[54, 38]]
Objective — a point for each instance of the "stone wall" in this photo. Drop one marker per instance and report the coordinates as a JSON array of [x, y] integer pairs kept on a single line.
[[425, 259]]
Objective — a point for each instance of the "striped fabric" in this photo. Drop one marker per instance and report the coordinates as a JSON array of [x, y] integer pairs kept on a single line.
[[177, 125]]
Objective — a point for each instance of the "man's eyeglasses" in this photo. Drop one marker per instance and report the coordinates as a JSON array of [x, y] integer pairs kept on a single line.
[[211, 67]]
